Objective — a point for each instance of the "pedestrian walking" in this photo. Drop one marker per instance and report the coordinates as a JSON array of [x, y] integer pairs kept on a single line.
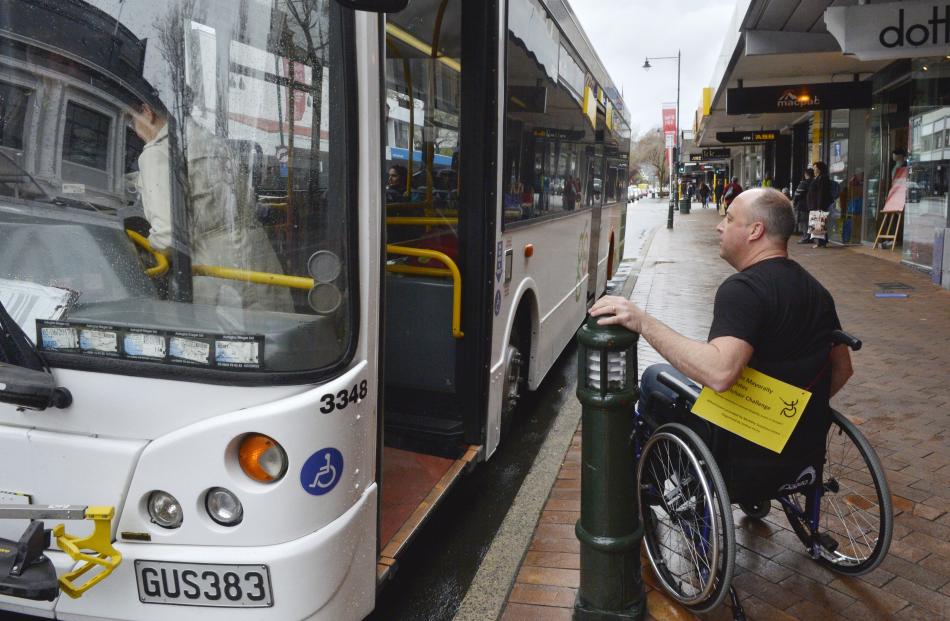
[[819, 199], [800, 200], [704, 193], [731, 192], [719, 187]]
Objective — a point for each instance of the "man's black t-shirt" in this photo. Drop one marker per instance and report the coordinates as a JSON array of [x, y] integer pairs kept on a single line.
[[778, 308], [787, 316]]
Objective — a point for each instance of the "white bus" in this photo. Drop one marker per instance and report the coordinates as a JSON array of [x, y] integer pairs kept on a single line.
[[274, 274]]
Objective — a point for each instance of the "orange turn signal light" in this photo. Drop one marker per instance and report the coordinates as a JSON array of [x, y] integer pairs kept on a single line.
[[528, 250], [262, 458]]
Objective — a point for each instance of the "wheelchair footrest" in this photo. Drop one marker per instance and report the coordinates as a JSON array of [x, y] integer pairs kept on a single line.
[[25, 571]]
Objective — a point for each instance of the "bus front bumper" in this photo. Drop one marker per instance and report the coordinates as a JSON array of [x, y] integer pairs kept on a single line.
[[329, 574]]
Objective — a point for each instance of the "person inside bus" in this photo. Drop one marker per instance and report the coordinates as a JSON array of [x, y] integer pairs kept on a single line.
[[396, 188], [772, 316], [224, 229]]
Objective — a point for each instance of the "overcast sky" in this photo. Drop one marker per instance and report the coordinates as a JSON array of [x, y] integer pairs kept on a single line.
[[624, 32]]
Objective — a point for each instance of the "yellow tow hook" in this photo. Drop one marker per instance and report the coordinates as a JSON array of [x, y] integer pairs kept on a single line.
[[103, 555]]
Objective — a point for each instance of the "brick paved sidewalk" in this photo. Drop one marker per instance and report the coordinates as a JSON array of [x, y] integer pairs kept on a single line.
[[898, 397]]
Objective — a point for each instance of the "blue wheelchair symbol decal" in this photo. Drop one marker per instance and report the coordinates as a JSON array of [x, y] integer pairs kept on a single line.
[[322, 471]]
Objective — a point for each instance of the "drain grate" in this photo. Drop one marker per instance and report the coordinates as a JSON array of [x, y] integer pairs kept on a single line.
[[892, 286]]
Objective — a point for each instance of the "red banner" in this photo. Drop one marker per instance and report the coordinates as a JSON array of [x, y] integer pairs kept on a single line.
[[669, 132], [669, 121]]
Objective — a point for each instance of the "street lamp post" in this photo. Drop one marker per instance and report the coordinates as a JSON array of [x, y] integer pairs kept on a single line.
[[674, 180]]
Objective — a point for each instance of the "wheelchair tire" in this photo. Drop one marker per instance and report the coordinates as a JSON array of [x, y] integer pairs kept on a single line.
[[686, 516], [856, 518], [756, 510]]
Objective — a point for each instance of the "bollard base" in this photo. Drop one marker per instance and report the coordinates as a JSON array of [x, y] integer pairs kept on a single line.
[[637, 612]]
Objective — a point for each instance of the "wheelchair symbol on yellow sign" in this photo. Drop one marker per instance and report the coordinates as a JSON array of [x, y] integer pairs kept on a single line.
[[759, 408]]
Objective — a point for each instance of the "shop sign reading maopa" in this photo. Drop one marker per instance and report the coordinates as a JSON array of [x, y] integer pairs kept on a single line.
[[891, 30]]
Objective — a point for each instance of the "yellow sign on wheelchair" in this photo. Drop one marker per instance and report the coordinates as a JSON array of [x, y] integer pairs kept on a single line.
[[757, 407]]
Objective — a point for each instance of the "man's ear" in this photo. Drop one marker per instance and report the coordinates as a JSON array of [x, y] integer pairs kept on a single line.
[[756, 231]]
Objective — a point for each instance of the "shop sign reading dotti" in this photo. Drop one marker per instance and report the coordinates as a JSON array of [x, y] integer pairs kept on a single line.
[[891, 30], [757, 407]]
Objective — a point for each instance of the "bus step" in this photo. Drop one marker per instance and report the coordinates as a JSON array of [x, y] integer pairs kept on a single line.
[[388, 557], [424, 434], [25, 571]]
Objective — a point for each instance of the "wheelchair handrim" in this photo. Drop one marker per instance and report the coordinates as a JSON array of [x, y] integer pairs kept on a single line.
[[709, 585]]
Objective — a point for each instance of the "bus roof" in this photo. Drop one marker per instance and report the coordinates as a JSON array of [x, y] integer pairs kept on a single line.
[[568, 23]]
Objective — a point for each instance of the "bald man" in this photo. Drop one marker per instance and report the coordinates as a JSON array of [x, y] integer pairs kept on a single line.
[[771, 315]]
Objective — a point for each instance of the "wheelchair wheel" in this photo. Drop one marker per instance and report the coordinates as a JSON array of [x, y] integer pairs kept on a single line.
[[687, 518], [756, 510], [856, 518]]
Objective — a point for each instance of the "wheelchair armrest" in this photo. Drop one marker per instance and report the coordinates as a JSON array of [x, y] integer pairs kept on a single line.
[[677, 386], [840, 337]]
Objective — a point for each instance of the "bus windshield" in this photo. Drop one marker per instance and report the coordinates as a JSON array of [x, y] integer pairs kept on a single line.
[[174, 187]]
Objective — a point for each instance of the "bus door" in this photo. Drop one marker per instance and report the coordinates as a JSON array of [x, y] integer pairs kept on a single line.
[[595, 181], [436, 217]]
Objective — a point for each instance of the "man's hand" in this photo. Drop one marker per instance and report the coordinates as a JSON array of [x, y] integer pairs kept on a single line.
[[716, 364], [624, 313]]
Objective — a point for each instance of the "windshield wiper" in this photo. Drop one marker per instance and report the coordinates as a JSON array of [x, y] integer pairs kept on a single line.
[[25, 379], [62, 201]]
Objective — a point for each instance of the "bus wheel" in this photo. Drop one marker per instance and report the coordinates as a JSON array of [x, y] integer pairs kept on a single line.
[[514, 380]]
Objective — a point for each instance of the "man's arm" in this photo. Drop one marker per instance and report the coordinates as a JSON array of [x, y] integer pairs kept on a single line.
[[716, 364], [841, 369]]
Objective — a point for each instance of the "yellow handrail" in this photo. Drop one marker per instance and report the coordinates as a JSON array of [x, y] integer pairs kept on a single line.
[[229, 273], [453, 269], [161, 261], [419, 271], [421, 220], [262, 278]]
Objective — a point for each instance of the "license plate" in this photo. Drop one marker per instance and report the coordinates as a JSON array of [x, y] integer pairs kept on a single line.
[[199, 584]]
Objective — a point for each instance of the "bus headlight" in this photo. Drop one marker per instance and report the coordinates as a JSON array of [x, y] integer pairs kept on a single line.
[[262, 458], [164, 509], [224, 507]]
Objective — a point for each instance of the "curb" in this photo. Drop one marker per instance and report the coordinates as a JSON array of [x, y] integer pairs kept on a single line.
[[498, 570]]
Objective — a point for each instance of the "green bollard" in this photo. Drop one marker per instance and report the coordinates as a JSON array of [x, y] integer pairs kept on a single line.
[[609, 530]]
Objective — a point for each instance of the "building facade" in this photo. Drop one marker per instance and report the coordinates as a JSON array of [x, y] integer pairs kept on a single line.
[[849, 85]]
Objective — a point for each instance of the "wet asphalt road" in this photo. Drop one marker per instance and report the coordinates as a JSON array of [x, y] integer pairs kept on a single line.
[[435, 571]]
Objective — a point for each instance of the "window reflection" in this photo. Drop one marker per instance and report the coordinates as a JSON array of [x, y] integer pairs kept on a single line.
[[926, 200], [13, 106], [559, 125], [423, 113], [86, 136], [183, 166]]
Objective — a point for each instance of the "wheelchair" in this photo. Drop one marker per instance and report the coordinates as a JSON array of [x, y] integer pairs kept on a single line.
[[842, 514]]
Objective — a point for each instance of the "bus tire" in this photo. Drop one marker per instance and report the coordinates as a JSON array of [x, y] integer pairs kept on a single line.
[[513, 387]]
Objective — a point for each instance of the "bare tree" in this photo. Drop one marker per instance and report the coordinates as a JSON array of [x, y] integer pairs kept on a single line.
[[650, 149], [311, 17]]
